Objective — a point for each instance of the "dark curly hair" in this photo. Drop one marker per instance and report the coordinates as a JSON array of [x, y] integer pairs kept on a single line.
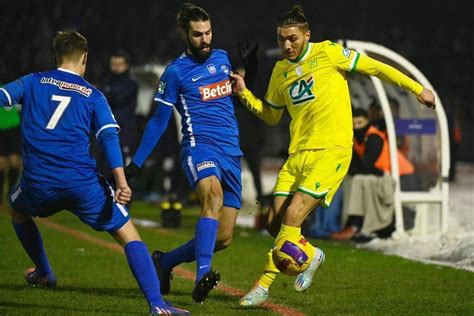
[[189, 12]]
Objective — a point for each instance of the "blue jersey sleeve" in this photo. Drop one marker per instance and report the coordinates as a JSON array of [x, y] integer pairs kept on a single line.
[[168, 89], [103, 117], [109, 141], [153, 132], [12, 93]]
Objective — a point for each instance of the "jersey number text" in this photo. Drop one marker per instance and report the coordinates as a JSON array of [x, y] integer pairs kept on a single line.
[[63, 103]]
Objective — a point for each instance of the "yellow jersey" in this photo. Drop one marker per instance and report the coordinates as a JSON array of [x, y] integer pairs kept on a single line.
[[315, 92]]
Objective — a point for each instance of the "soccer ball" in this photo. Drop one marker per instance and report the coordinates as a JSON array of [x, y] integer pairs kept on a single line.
[[292, 255]]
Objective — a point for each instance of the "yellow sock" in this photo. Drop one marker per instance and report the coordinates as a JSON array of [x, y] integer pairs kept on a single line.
[[288, 231], [269, 272]]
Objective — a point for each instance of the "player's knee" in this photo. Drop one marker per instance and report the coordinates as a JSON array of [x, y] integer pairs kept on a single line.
[[214, 197], [213, 202], [125, 234], [223, 242]]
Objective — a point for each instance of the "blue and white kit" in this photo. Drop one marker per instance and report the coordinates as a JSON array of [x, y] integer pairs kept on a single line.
[[202, 94]]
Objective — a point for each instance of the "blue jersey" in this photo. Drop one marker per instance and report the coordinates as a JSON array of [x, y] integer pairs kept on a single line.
[[59, 111], [202, 94]]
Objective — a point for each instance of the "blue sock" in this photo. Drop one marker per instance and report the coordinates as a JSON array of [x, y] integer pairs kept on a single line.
[[144, 272], [205, 240], [184, 253], [31, 240]]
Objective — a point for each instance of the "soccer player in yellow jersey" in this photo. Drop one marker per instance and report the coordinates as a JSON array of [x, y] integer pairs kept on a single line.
[[311, 84]]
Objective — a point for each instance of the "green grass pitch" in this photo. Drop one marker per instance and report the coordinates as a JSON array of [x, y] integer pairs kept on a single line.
[[95, 280]]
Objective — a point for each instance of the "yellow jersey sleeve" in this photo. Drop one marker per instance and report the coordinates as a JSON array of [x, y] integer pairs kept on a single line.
[[261, 109], [341, 57], [350, 60], [273, 96], [370, 66]]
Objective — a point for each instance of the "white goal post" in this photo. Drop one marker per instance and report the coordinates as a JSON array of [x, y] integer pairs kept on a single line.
[[437, 194]]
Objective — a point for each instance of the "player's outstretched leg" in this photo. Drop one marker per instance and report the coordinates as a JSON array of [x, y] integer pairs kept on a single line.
[[30, 238], [143, 270], [206, 279], [259, 293], [305, 279]]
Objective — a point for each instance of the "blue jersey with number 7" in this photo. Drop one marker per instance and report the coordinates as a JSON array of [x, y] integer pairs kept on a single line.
[[59, 111]]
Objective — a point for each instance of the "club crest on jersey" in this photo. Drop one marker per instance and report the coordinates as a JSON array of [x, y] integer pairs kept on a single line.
[[301, 91], [215, 90], [211, 68]]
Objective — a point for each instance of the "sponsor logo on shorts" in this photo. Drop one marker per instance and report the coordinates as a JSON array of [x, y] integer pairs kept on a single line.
[[205, 164], [215, 90]]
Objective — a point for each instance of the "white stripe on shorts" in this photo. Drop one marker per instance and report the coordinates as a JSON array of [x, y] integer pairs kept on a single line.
[[122, 209], [15, 194], [191, 167], [119, 206]]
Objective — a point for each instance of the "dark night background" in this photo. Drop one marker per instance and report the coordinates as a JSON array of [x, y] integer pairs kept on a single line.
[[436, 36]]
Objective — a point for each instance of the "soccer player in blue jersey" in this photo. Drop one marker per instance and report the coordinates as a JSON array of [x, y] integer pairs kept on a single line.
[[197, 85], [60, 110]]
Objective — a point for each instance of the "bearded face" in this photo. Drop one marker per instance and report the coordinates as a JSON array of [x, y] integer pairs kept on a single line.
[[199, 39]]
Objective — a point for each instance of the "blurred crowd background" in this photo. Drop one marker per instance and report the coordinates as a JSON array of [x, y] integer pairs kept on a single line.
[[436, 35]]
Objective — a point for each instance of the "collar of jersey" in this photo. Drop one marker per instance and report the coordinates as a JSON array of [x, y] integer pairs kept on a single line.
[[191, 56], [301, 57], [69, 71]]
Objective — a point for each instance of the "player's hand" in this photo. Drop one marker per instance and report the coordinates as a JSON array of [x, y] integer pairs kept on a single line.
[[427, 98], [248, 55], [123, 194], [131, 170], [238, 83]]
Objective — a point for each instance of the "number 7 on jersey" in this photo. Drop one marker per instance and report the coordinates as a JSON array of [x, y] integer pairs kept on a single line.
[[63, 103]]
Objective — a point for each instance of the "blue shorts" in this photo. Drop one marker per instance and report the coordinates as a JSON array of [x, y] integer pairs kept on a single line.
[[93, 204], [203, 162]]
